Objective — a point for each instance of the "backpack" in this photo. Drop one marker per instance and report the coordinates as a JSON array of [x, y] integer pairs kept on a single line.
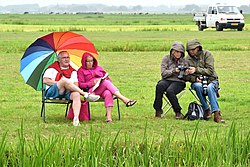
[[195, 111]]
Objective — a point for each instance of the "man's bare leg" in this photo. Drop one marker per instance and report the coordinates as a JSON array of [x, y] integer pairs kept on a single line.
[[64, 84], [75, 97]]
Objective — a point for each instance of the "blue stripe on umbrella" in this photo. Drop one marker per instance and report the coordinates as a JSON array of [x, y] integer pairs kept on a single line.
[[29, 68], [35, 55]]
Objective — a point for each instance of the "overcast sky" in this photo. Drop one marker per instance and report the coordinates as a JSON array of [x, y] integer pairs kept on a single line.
[[124, 2]]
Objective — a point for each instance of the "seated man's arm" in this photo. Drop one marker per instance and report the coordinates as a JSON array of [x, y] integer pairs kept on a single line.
[[74, 78], [49, 76], [76, 83], [48, 81]]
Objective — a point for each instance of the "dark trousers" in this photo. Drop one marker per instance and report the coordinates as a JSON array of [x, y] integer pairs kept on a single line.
[[172, 88]]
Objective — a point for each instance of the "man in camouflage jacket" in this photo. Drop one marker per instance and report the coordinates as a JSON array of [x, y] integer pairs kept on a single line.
[[201, 71]]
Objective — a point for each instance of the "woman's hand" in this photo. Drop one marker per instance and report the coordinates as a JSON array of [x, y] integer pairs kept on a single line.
[[94, 82]]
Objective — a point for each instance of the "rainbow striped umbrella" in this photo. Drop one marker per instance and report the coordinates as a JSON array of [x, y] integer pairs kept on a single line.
[[42, 53]]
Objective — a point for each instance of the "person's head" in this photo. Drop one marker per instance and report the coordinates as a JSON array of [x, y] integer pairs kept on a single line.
[[63, 59], [177, 50], [88, 61], [193, 47]]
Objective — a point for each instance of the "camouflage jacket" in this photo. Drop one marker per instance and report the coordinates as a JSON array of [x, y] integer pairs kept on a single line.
[[204, 64]]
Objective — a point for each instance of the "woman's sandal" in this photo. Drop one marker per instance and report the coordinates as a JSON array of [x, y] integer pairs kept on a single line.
[[130, 103]]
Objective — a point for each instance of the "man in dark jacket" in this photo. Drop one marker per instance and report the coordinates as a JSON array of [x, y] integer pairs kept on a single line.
[[201, 71], [170, 83]]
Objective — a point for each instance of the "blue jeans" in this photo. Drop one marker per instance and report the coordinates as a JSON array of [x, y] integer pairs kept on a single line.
[[52, 92], [211, 93]]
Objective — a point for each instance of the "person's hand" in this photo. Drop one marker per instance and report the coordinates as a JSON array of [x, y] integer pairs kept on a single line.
[[186, 72], [177, 70], [198, 79], [94, 82], [191, 70]]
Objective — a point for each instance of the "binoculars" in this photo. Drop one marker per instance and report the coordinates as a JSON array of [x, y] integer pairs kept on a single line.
[[182, 70]]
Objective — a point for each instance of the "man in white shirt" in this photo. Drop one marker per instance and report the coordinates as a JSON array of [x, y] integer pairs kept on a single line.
[[61, 81]]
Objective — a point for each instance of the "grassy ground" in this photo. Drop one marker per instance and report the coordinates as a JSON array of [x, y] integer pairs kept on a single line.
[[135, 73], [133, 61]]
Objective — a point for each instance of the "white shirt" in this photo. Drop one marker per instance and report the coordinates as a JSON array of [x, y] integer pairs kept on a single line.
[[51, 73]]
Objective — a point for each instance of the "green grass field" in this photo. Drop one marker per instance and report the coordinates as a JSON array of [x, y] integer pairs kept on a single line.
[[131, 51]]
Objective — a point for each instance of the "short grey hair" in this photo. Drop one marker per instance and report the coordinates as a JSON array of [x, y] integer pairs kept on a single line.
[[59, 54]]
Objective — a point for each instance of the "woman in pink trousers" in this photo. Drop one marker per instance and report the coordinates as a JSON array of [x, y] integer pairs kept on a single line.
[[95, 78]]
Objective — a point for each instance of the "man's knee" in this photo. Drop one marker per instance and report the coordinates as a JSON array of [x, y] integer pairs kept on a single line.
[[196, 86], [75, 96], [211, 88], [63, 81]]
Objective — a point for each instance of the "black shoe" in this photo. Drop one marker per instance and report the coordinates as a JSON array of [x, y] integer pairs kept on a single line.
[[178, 115], [158, 113]]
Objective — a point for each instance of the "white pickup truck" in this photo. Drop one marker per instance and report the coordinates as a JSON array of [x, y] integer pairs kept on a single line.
[[220, 16]]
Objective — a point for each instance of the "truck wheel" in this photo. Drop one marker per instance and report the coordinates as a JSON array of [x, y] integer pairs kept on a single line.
[[239, 29], [218, 27], [200, 28]]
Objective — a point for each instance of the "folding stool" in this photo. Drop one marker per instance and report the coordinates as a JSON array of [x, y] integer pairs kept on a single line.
[[197, 98], [168, 102]]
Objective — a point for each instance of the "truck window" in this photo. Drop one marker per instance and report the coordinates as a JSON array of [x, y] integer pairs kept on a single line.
[[209, 10], [228, 9], [215, 10]]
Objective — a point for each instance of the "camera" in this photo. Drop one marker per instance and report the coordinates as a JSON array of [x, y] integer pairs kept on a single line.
[[204, 82], [182, 70]]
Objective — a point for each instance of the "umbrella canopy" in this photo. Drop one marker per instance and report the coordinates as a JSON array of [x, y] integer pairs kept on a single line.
[[42, 53]]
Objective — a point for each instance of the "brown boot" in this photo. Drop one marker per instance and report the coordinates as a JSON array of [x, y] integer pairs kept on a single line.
[[207, 114], [158, 113], [178, 115], [217, 117]]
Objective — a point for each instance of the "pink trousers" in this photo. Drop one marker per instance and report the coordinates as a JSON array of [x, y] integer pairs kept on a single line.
[[106, 89]]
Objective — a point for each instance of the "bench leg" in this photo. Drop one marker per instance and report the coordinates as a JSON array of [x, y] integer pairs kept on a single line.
[[42, 109], [118, 108], [89, 111], [67, 109], [43, 112]]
